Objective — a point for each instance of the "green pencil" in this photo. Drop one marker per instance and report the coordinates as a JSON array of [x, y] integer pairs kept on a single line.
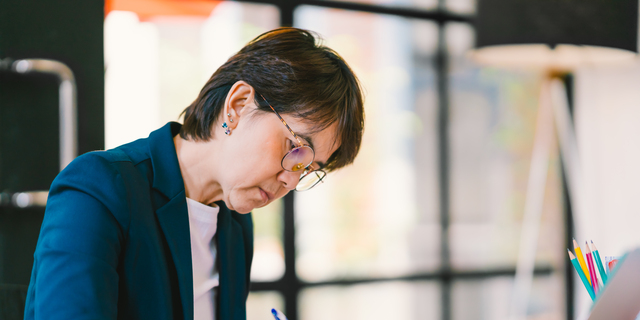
[[596, 255], [576, 265]]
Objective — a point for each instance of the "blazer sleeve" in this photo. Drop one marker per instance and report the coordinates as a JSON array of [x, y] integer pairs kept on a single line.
[[75, 274]]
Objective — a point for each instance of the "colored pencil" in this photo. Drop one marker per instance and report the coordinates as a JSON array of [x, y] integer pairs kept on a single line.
[[592, 269], [578, 268], [278, 315], [596, 255], [583, 265]]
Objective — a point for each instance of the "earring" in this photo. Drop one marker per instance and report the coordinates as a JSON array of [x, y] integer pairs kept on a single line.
[[227, 131], [229, 115]]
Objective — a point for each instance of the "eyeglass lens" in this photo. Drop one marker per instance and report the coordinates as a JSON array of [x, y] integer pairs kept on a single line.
[[309, 180], [298, 158]]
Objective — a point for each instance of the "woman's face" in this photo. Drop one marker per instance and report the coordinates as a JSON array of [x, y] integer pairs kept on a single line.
[[252, 175]]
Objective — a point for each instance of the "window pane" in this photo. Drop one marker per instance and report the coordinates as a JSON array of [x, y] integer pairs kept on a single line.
[[466, 7], [379, 216], [155, 68], [461, 6], [268, 253], [490, 299], [422, 4], [492, 124], [393, 300], [259, 304]]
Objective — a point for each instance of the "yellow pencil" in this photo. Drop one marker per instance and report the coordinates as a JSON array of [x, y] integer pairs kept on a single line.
[[576, 265], [581, 261]]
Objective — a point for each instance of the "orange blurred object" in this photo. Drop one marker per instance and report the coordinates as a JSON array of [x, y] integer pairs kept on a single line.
[[147, 9], [612, 264]]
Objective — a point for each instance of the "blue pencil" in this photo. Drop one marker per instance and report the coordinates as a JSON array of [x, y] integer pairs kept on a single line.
[[576, 265], [278, 315], [596, 255]]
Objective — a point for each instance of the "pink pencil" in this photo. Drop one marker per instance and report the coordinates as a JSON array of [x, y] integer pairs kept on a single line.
[[592, 270]]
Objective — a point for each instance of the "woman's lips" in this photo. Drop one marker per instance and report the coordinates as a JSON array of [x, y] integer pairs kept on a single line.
[[265, 195]]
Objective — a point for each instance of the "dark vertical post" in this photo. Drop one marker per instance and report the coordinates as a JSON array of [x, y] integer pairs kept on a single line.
[[291, 286], [442, 67], [568, 268], [286, 13], [568, 216]]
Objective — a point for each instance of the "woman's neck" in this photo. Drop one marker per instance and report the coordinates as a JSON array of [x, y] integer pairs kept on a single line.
[[196, 168]]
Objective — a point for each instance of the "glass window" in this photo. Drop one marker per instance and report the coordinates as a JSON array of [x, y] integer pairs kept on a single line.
[[268, 254], [422, 4], [259, 304], [378, 217], [492, 125], [489, 299], [377, 301], [461, 6], [156, 67]]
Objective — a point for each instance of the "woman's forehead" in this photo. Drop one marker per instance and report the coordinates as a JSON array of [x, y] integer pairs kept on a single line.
[[322, 140]]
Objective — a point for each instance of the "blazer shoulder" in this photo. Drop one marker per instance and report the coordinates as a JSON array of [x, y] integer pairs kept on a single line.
[[134, 152], [93, 163], [95, 173]]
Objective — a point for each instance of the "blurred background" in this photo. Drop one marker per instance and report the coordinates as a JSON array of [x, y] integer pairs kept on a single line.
[[425, 225]]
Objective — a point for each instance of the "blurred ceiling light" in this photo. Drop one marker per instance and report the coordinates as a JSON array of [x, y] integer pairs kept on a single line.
[[147, 9]]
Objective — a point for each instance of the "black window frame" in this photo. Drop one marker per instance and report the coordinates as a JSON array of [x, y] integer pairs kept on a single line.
[[290, 285]]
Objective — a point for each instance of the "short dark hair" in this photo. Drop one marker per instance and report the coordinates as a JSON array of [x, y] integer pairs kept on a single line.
[[299, 77]]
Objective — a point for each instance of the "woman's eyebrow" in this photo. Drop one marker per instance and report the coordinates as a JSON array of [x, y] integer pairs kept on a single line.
[[307, 139]]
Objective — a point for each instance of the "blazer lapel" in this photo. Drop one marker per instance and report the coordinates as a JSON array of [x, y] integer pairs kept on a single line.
[[174, 221], [231, 257], [173, 215]]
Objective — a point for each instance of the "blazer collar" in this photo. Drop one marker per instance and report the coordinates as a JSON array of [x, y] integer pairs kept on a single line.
[[174, 221], [232, 263], [166, 170], [173, 215]]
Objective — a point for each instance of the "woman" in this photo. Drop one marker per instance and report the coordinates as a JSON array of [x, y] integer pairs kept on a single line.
[[160, 228]]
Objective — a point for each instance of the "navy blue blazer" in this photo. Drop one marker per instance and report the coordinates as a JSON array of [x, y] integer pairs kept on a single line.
[[115, 244]]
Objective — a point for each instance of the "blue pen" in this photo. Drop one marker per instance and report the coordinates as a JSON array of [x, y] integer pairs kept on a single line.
[[278, 315]]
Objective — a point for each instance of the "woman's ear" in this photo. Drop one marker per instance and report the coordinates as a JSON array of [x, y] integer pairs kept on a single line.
[[238, 103]]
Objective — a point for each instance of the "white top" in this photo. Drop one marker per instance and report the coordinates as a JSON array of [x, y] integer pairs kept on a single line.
[[203, 222]]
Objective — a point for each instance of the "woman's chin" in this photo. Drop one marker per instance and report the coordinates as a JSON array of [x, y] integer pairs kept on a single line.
[[242, 209]]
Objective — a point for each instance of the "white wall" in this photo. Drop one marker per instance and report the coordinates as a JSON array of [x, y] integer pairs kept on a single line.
[[608, 131], [607, 119]]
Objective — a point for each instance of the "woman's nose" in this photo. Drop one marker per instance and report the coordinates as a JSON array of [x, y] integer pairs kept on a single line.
[[290, 179]]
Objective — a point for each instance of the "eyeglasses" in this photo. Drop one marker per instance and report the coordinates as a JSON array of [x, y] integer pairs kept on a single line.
[[300, 158]]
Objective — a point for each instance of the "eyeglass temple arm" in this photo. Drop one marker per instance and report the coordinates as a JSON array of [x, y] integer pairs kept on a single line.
[[283, 122]]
